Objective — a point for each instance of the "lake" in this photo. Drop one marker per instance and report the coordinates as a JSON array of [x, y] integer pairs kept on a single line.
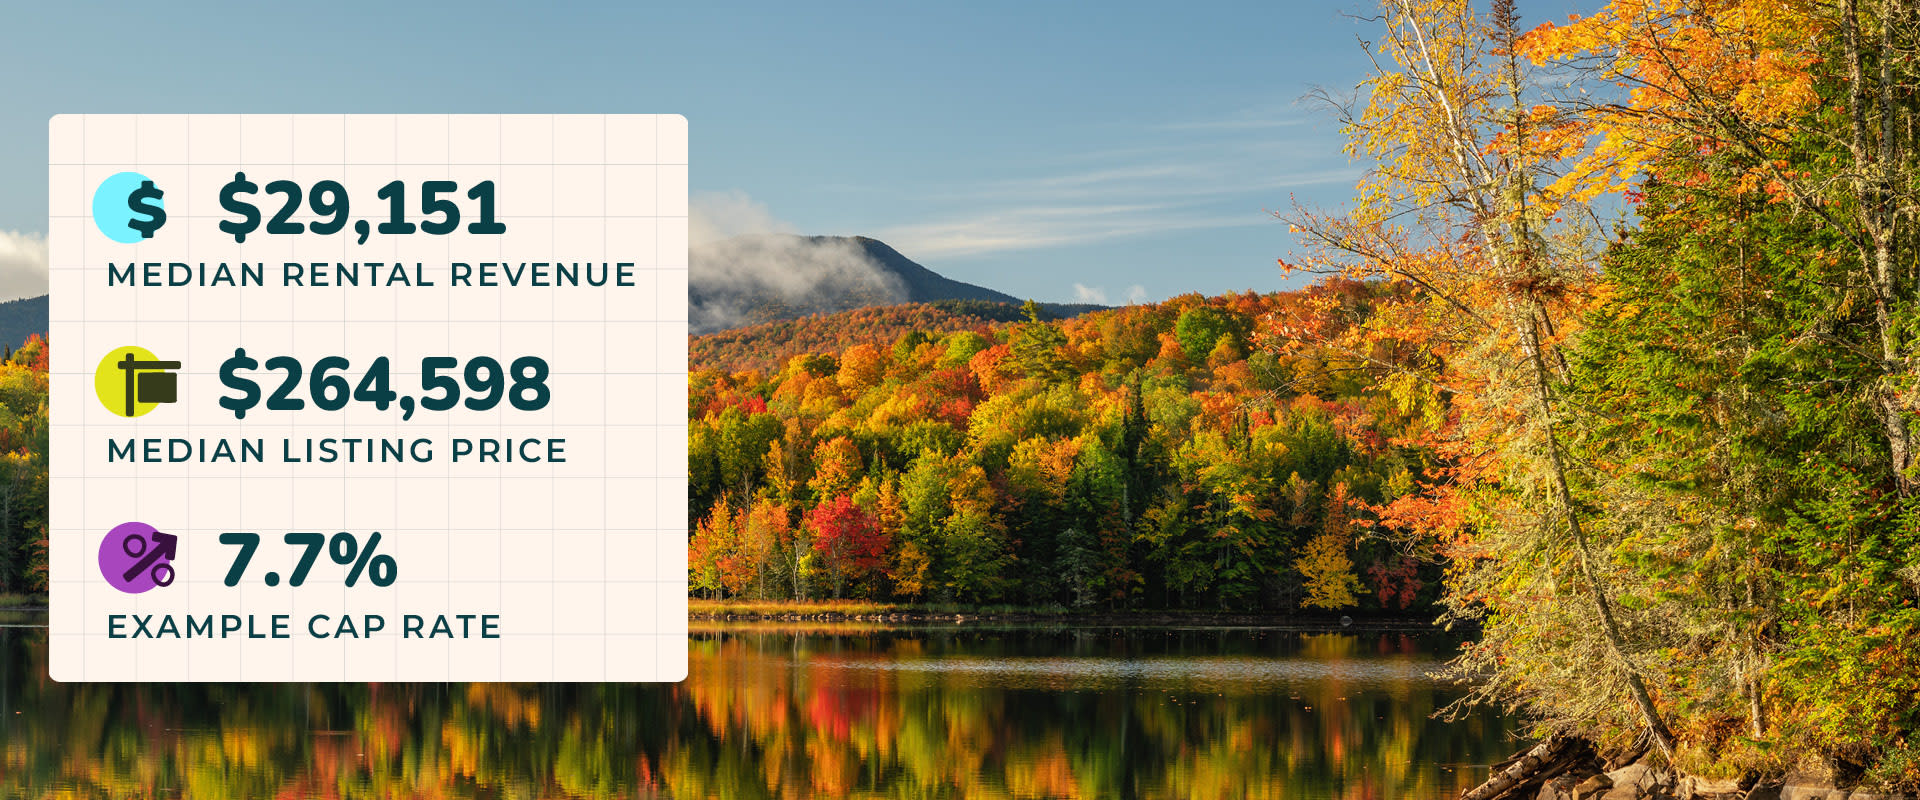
[[793, 711]]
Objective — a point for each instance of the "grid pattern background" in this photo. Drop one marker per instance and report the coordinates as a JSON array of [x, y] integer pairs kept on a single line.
[[583, 561]]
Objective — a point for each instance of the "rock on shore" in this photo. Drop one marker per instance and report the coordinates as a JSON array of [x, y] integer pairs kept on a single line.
[[1567, 768]]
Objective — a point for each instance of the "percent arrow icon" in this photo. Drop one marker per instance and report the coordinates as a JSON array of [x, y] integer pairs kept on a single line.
[[164, 544]]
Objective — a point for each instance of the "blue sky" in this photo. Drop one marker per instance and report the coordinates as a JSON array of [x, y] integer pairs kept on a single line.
[[1051, 150]]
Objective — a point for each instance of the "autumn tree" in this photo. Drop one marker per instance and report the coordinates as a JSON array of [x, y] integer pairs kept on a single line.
[[1204, 328], [765, 536], [1037, 345], [711, 560], [848, 538], [1750, 372], [1325, 564], [1461, 205], [742, 437], [786, 465], [1809, 105], [836, 465]]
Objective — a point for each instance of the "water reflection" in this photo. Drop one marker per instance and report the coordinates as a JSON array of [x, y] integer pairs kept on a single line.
[[935, 712]]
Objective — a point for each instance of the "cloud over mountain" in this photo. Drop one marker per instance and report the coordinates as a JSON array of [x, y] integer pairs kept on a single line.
[[23, 265]]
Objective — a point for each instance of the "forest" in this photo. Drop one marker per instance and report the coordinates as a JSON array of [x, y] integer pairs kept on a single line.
[[1612, 356], [1088, 463], [23, 468]]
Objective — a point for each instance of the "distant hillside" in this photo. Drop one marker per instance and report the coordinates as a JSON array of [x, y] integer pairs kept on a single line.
[[22, 318], [766, 347], [748, 280]]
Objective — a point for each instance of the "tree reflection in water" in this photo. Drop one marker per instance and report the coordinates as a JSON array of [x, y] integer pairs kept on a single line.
[[831, 711]]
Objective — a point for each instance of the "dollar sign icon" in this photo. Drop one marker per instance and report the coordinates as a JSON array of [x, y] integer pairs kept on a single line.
[[249, 391], [146, 200], [229, 200], [120, 200]]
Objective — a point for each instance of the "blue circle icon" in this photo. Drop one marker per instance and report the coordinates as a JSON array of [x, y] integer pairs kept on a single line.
[[127, 206]]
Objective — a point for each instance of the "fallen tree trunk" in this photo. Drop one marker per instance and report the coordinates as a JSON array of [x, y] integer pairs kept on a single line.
[[1522, 775]]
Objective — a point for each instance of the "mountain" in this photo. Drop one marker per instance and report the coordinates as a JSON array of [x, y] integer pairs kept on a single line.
[[924, 285], [747, 280], [22, 318]]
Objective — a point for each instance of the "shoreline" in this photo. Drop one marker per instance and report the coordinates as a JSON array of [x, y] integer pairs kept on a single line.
[[721, 611], [707, 612]]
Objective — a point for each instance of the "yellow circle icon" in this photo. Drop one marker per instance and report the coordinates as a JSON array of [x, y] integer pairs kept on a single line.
[[132, 381]]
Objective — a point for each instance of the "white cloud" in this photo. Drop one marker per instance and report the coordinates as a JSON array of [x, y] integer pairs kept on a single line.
[[23, 265], [724, 215], [1097, 295], [743, 259], [1034, 227], [1191, 176], [1186, 176]]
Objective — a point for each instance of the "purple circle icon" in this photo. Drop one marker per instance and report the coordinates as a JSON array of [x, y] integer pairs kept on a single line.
[[136, 557]]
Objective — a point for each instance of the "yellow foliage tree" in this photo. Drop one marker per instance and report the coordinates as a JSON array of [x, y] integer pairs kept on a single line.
[[1324, 565], [1328, 573], [1466, 207]]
